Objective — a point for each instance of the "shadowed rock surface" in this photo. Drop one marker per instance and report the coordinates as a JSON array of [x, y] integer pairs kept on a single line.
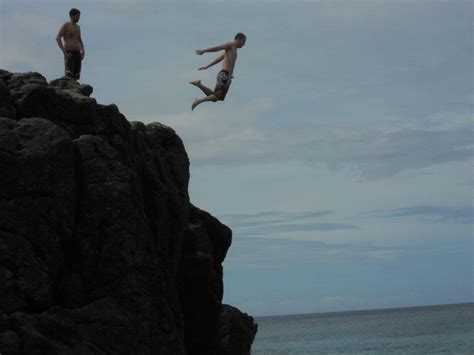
[[101, 251]]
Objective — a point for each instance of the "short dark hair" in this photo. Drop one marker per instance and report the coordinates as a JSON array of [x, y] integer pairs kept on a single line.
[[240, 35], [74, 12]]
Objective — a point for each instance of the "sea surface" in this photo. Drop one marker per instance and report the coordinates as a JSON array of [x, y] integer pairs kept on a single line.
[[422, 330]]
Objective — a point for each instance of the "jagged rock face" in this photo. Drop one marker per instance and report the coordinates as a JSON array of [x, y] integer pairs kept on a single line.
[[237, 331], [100, 248], [200, 279]]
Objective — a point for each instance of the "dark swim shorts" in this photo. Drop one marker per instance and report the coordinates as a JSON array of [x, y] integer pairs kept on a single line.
[[72, 64], [222, 86]]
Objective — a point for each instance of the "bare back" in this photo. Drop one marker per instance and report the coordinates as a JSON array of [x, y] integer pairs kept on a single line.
[[71, 33], [230, 58]]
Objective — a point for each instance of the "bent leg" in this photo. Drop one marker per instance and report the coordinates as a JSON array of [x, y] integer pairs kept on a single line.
[[196, 102], [204, 89]]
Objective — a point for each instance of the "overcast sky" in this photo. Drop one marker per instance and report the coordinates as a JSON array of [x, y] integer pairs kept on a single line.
[[342, 157]]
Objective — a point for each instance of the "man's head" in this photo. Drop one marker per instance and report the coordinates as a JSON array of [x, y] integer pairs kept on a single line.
[[74, 14], [240, 39]]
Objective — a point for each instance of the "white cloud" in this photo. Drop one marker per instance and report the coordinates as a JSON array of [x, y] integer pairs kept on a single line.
[[214, 132], [267, 251], [436, 214], [236, 135]]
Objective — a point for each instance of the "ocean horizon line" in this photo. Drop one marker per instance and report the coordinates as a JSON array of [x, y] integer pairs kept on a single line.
[[363, 311]]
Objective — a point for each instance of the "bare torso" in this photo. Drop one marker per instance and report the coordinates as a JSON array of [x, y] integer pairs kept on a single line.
[[229, 58], [72, 36]]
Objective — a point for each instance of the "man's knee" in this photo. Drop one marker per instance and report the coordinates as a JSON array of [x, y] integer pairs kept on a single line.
[[214, 97], [218, 96]]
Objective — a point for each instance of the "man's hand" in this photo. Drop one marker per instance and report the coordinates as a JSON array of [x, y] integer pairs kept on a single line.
[[66, 54], [82, 55], [199, 51], [204, 67]]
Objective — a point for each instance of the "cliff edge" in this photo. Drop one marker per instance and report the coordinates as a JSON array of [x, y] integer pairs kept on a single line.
[[101, 250]]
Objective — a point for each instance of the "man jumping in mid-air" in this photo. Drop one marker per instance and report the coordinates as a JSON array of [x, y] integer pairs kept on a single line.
[[224, 77]]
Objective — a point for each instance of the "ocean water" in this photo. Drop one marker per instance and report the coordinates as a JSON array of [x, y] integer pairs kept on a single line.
[[422, 330]]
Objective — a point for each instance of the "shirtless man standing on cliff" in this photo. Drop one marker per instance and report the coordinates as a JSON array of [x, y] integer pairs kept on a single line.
[[224, 77], [73, 48]]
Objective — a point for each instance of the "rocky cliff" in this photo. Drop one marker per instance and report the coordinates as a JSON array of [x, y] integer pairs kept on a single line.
[[101, 251]]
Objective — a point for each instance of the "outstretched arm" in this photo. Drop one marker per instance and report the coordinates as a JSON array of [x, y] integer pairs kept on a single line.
[[215, 61], [214, 49]]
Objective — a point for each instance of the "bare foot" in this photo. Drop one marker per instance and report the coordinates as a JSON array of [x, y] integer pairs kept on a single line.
[[195, 103], [195, 82]]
